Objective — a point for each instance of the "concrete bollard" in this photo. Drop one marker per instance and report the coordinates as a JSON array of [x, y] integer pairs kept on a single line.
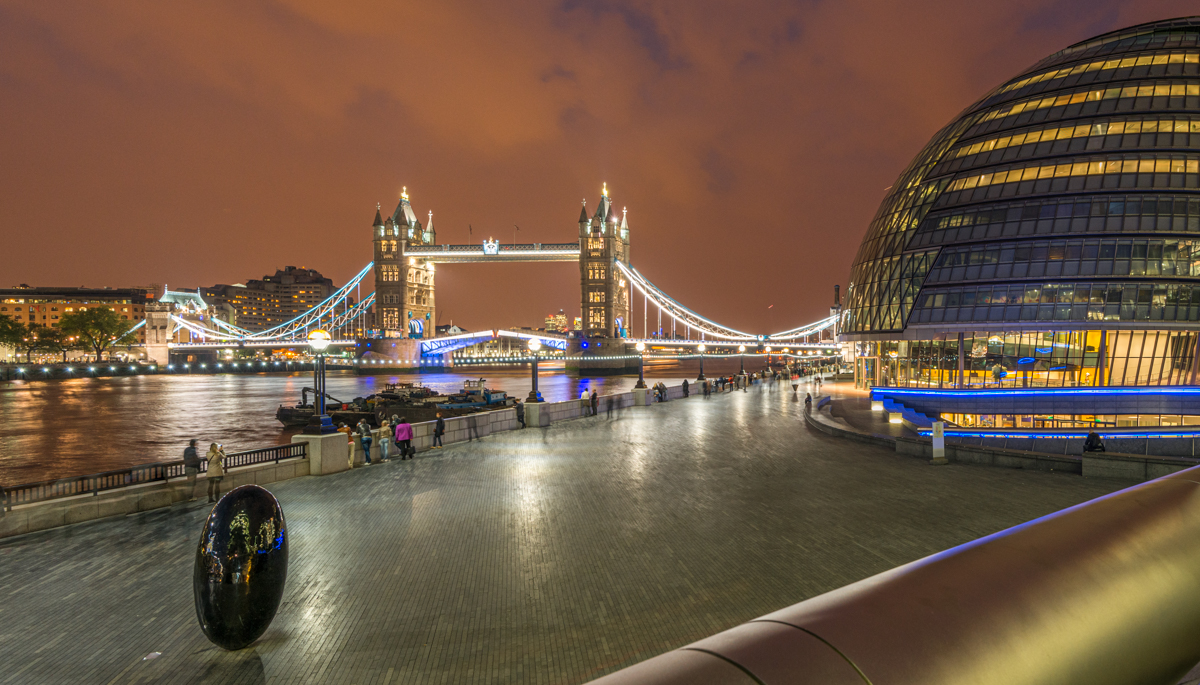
[[939, 443]]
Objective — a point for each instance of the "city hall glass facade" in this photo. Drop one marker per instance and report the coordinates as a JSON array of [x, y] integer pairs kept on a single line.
[[1050, 234]]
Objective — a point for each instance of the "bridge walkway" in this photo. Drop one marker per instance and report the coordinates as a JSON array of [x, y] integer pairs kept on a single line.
[[538, 556]]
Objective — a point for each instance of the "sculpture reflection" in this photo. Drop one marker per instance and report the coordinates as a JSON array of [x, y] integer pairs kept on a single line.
[[241, 567]]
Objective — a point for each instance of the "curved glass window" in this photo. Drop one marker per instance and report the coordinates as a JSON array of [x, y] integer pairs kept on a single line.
[[1178, 258], [1151, 213], [1050, 302]]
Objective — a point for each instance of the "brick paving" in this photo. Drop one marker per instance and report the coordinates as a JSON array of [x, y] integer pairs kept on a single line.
[[539, 556]]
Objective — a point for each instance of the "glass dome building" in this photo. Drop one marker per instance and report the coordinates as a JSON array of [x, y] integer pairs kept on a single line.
[[1050, 234]]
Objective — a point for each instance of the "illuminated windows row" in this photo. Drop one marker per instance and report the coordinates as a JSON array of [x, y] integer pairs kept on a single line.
[[1143, 165], [1140, 91], [1124, 62], [1105, 128]]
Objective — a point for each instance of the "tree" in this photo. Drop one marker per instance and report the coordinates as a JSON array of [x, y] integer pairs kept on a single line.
[[30, 340], [12, 332], [57, 340], [97, 329]]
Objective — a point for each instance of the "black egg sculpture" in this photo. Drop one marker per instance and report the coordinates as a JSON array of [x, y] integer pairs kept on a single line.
[[241, 567]]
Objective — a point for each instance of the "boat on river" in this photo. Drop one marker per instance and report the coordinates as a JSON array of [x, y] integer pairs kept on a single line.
[[407, 394], [476, 395], [348, 413]]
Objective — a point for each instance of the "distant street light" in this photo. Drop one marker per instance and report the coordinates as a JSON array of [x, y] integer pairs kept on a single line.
[[534, 346], [741, 360], [701, 348], [641, 348]]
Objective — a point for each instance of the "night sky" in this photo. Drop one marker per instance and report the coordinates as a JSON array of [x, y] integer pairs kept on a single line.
[[213, 142]]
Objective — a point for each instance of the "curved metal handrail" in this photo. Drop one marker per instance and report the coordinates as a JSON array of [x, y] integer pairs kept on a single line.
[[1103, 593]]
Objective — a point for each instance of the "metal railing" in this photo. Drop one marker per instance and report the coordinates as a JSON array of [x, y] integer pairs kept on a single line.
[[95, 483]]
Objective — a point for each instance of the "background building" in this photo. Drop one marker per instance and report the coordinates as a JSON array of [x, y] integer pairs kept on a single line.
[[1049, 235], [557, 323], [44, 306], [262, 304]]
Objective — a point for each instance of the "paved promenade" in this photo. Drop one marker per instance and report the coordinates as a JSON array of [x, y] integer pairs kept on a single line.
[[539, 556]]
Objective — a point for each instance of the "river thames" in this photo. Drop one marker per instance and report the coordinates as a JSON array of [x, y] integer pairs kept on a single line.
[[61, 428]]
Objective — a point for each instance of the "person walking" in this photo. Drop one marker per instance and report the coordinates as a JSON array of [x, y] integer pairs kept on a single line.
[[385, 439], [439, 428], [364, 439], [808, 400], [191, 468], [404, 434], [595, 403], [520, 407], [216, 471], [685, 387]]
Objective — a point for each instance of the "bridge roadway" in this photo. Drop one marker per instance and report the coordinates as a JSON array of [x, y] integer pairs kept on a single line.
[[539, 556]]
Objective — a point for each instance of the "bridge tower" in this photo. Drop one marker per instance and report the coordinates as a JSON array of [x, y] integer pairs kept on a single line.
[[158, 332], [603, 240], [404, 299]]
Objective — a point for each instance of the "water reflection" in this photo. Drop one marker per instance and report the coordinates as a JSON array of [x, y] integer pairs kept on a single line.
[[73, 427]]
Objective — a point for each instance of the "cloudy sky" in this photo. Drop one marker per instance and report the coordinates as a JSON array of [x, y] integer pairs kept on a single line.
[[213, 142]]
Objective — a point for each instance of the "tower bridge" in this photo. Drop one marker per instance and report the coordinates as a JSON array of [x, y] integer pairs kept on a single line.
[[398, 320]]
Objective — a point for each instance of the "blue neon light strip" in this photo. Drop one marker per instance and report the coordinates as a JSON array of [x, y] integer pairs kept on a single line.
[[967, 433], [1038, 392]]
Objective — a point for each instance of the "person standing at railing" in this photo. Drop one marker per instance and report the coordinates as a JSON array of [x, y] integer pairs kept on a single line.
[[364, 439], [439, 429], [191, 467], [216, 470], [385, 439], [404, 434]]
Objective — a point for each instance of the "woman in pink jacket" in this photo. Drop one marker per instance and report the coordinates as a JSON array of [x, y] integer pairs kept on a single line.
[[404, 436]]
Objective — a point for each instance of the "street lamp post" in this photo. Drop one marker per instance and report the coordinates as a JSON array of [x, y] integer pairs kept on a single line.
[[320, 423], [741, 360], [641, 349], [700, 348], [534, 346]]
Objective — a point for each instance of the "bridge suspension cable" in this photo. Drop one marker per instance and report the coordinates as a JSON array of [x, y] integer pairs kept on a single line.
[[324, 314], [706, 326]]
